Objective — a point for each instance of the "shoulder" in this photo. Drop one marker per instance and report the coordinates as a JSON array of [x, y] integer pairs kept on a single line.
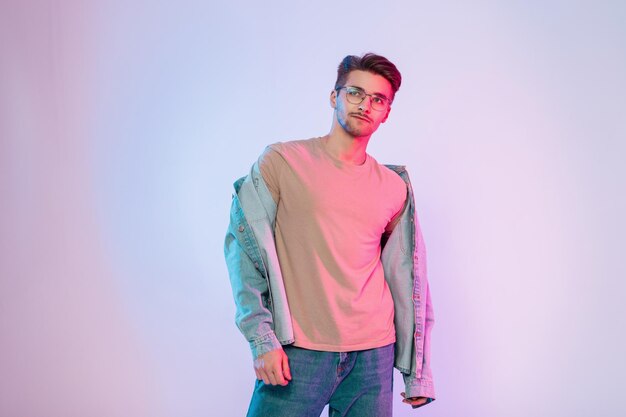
[[290, 151], [271, 159], [391, 173], [395, 169], [293, 146], [401, 172], [279, 152]]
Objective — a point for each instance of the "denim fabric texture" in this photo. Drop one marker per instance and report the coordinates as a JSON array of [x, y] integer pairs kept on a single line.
[[353, 384], [263, 314]]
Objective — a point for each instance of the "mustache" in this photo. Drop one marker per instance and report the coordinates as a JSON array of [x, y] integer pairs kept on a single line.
[[361, 115]]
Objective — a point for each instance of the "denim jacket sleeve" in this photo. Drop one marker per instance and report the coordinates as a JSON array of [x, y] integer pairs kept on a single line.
[[249, 284], [423, 386], [263, 314]]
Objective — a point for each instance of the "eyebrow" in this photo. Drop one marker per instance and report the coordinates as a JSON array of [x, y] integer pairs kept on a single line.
[[375, 93]]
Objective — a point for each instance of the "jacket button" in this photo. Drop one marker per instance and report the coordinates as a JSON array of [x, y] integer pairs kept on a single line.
[[256, 264], [241, 228]]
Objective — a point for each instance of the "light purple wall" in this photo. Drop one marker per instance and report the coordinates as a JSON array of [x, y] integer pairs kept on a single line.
[[123, 125]]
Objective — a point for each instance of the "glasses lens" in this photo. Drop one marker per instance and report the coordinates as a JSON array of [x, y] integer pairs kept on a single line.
[[378, 103], [354, 95]]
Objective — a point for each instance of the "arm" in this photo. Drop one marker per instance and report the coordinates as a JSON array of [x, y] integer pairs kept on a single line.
[[252, 298], [249, 286]]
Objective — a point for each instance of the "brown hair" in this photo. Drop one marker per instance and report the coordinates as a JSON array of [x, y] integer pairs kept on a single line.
[[371, 63]]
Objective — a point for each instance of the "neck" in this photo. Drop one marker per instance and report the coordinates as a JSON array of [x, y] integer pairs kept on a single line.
[[345, 147]]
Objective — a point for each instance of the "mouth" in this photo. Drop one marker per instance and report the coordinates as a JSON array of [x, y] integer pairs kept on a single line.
[[361, 117]]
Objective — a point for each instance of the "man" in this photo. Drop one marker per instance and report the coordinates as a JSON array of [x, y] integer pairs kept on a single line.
[[327, 264]]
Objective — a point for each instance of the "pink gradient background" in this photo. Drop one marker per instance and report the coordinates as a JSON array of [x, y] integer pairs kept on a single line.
[[124, 124]]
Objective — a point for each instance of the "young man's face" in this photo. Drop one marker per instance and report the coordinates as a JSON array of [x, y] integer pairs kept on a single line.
[[361, 119]]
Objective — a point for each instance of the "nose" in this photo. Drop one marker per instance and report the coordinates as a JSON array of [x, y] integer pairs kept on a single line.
[[366, 107]]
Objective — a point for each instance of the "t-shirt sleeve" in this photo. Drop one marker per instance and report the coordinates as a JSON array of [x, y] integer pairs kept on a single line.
[[271, 164]]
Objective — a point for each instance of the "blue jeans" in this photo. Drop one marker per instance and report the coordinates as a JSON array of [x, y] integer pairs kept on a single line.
[[354, 384]]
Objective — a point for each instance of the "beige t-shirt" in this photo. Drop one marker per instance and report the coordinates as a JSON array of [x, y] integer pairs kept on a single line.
[[329, 222]]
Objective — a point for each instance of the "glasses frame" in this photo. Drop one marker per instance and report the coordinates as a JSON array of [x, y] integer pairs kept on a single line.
[[386, 101]]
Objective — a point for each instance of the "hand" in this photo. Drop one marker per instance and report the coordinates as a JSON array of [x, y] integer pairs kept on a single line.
[[273, 367], [414, 401]]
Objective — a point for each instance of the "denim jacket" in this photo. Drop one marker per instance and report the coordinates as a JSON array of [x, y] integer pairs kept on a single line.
[[263, 314]]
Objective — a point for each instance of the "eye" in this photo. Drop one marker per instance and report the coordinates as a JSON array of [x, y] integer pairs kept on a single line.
[[355, 92], [378, 100]]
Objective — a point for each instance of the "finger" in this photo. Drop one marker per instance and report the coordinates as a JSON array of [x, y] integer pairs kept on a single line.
[[417, 405], [264, 376], [411, 398], [286, 369], [278, 374], [272, 377], [415, 402]]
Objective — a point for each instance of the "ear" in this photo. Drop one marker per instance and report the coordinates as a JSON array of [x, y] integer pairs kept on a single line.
[[333, 99]]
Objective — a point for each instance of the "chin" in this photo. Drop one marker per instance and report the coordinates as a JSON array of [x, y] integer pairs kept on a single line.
[[358, 132], [361, 132]]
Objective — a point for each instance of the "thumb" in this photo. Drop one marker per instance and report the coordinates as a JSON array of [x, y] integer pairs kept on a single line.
[[286, 370]]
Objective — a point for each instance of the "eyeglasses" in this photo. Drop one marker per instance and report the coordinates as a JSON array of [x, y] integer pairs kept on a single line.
[[355, 95]]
